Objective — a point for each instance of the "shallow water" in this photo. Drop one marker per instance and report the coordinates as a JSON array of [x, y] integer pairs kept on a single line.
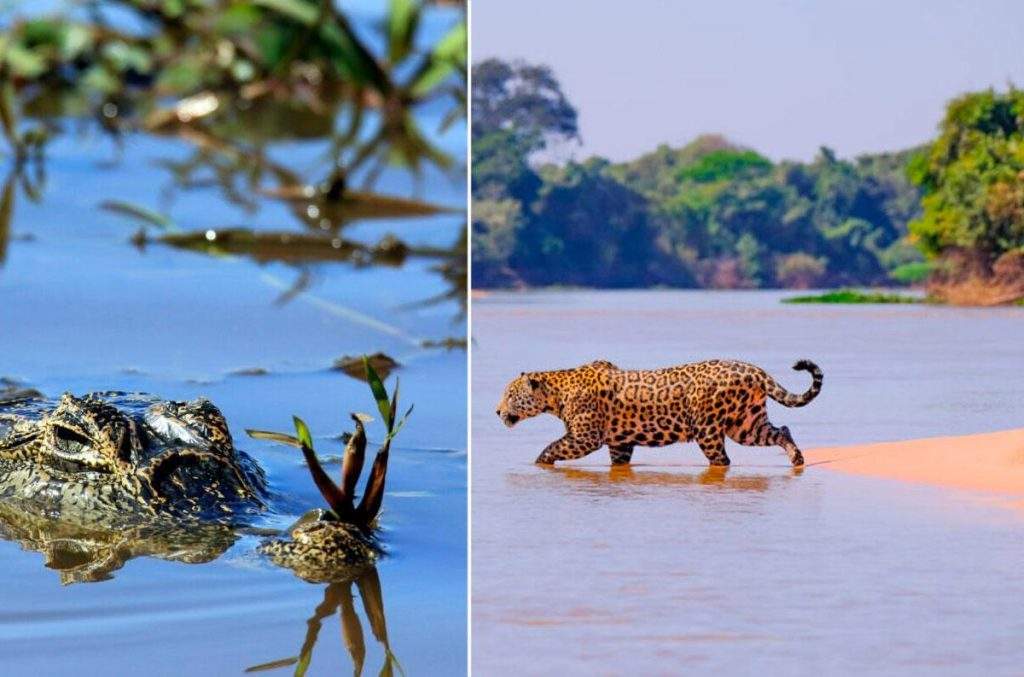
[[670, 567], [81, 309]]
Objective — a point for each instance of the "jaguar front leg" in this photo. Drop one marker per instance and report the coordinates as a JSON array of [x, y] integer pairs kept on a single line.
[[584, 434], [621, 455], [567, 448]]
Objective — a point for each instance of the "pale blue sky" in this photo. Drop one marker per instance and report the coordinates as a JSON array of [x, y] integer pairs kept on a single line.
[[781, 76]]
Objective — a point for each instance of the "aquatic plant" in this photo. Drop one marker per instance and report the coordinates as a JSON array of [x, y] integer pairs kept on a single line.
[[341, 497], [305, 49]]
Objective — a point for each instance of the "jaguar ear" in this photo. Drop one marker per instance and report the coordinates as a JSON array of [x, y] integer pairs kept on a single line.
[[534, 383]]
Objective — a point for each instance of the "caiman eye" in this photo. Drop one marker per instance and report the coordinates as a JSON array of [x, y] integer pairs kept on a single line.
[[71, 438]]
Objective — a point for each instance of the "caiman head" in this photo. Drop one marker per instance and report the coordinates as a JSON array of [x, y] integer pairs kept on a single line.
[[125, 453]]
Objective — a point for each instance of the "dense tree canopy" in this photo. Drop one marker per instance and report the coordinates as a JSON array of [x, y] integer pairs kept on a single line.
[[716, 214], [973, 177]]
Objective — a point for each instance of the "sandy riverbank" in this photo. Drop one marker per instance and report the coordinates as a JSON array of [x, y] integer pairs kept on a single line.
[[990, 462]]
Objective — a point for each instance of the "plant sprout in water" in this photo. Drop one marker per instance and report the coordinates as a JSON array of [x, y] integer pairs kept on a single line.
[[341, 498]]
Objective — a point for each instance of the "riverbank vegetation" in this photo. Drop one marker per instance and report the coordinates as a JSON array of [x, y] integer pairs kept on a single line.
[[854, 296], [715, 214]]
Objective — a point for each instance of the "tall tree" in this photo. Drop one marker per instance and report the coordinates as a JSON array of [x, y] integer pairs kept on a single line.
[[973, 177], [523, 99]]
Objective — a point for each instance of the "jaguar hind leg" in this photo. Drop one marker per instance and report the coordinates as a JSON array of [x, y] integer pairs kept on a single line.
[[782, 438], [620, 455], [759, 432]]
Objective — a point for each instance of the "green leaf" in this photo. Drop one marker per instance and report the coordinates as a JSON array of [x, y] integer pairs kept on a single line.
[[398, 426], [393, 408], [348, 54], [99, 79], [125, 57], [173, 8], [24, 62], [302, 430], [403, 20], [448, 56], [298, 11], [74, 41], [182, 77], [380, 394], [239, 18]]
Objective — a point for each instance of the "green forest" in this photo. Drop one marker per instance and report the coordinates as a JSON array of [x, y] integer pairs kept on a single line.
[[714, 214]]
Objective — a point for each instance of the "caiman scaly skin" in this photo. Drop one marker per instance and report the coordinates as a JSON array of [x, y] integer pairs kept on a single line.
[[93, 481]]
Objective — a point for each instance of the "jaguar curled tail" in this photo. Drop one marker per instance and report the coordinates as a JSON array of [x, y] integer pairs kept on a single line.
[[788, 399]]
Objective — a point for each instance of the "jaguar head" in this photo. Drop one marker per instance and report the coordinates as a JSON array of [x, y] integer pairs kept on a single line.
[[524, 397]]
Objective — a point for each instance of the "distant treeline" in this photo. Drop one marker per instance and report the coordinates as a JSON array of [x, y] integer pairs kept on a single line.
[[709, 214]]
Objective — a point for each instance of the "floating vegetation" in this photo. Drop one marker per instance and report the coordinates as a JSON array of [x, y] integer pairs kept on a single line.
[[339, 205], [250, 371], [355, 366], [450, 343], [853, 296], [287, 246]]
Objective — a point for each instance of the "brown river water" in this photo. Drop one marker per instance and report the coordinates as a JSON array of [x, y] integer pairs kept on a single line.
[[669, 567]]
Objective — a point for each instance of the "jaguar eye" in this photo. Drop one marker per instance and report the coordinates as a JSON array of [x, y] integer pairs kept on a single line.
[[71, 438]]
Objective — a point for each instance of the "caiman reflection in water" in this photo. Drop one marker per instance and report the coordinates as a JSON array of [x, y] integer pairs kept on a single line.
[[81, 553], [93, 481]]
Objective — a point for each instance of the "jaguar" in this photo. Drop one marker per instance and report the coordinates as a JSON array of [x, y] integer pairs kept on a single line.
[[601, 404]]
